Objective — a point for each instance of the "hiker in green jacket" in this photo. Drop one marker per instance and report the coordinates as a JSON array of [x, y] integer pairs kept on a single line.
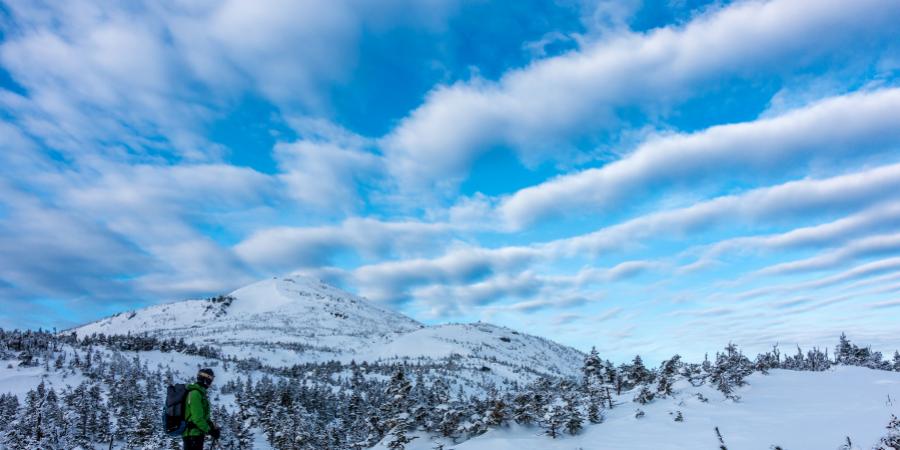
[[196, 412]]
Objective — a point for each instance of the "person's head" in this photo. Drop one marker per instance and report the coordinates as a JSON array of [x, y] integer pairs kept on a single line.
[[205, 377]]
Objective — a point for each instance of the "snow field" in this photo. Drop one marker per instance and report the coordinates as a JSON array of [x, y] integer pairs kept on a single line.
[[795, 410]]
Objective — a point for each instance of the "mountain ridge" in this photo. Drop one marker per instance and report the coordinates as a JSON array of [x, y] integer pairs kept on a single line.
[[289, 320]]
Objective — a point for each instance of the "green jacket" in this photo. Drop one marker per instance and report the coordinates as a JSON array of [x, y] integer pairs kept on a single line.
[[196, 411]]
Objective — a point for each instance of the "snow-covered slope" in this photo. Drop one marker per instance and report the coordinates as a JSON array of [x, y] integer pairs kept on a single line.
[[286, 321], [281, 309], [793, 410], [489, 345]]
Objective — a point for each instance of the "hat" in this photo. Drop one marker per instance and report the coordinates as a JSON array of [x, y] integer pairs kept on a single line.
[[205, 377]]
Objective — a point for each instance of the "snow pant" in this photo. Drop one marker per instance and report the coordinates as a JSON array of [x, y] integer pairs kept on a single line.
[[193, 442]]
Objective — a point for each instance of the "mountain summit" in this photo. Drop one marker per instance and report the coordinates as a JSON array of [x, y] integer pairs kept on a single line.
[[293, 320]]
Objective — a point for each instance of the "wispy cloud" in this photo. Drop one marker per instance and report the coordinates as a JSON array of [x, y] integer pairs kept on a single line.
[[538, 109], [619, 174]]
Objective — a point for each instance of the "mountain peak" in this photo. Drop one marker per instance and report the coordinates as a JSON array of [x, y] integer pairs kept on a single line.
[[283, 293], [278, 309], [288, 320]]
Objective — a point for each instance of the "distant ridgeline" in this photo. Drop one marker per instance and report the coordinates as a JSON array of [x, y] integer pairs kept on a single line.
[[112, 386]]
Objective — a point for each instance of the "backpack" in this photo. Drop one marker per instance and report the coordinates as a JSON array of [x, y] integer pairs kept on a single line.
[[173, 410]]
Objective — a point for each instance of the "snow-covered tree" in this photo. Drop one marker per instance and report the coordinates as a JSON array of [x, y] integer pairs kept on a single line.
[[667, 372], [730, 369], [644, 396], [554, 419], [637, 373], [890, 441]]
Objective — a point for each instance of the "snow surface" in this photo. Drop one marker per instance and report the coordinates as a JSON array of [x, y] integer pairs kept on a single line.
[[795, 410], [292, 320], [19, 380], [277, 308], [286, 321]]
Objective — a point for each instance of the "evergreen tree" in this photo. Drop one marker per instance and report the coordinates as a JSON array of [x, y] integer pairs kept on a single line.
[[890, 441], [397, 411], [29, 432], [523, 408], [450, 420], [574, 418], [666, 379], [498, 415], [554, 419], [244, 420], [592, 371], [52, 422], [593, 379], [644, 396], [730, 370], [817, 361], [79, 417], [398, 437], [594, 413], [844, 353], [637, 373]]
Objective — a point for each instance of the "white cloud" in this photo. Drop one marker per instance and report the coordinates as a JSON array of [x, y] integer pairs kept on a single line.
[[52, 252], [882, 217], [831, 130], [289, 248], [326, 176], [861, 248], [792, 200], [159, 212], [855, 273], [809, 198], [390, 281], [144, 79], [539, 109]]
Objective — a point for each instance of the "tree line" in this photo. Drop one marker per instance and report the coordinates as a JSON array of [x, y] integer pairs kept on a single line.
[[115, 400]]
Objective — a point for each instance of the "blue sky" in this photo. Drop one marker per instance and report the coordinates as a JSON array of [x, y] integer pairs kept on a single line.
[[642, 176]]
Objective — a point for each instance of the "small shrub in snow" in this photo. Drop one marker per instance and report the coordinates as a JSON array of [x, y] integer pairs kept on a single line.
[[722, 445], [891, 441], [847, 445], [644, 396]]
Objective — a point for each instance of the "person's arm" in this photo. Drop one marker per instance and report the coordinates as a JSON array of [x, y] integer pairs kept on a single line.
[[195, 408]]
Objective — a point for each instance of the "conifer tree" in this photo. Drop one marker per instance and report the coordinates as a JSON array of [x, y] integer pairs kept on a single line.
[[844, 353], [890, 441], [397, 411], [637, 373], [398, 437], [574, 418], [554, 420], [593, 379], [52, 422], [667, 372], [730, 369], [644, 396], [498, 415]]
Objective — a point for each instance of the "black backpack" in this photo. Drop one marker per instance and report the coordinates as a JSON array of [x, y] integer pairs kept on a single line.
[[173, 410]]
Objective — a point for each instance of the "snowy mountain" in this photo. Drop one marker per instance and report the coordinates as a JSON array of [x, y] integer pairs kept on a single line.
[[291, 320]]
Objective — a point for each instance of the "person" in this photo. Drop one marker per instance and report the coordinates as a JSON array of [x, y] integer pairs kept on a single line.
[[196, 412]]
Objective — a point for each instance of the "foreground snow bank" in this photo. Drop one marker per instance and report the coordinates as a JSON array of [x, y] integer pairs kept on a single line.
[[794, 410]]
